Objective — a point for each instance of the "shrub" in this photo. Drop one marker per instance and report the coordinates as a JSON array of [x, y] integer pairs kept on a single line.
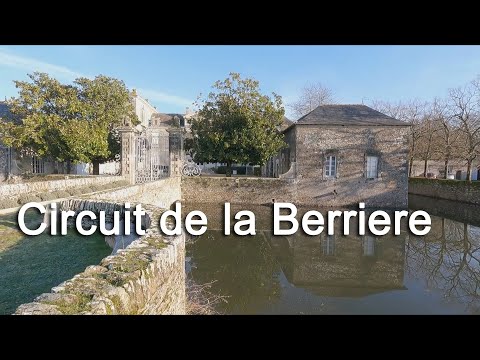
[[8, 203], [26, 198], [96, 188], [74, 191], [61, 194], [47, 196], [223, 170]]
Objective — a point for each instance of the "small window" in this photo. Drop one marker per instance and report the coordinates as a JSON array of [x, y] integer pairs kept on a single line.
[[372, 167], [330, 166]]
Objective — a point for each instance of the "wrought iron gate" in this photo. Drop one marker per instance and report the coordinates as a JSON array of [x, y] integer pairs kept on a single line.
[[152, 157]]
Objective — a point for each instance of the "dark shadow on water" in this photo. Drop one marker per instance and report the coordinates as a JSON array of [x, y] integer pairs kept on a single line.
[[453, 210], [33, 265], [434, 274]]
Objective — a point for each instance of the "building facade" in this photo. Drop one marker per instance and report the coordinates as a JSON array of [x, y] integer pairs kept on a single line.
[[143, 109], [341, 155]]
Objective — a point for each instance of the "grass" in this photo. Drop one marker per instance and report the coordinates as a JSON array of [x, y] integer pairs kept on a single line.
[[32, 265]]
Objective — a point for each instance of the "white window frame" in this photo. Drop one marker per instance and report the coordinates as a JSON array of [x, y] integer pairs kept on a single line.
[[330, 167], [372, 167]]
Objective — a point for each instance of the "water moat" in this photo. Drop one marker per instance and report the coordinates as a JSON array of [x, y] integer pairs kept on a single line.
[[300, 274]]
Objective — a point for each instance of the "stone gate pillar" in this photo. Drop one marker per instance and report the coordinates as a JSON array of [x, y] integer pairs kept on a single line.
[[128, 154], [175, 142]]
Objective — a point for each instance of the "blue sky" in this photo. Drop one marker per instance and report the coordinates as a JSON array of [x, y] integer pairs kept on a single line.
[[171, 77]]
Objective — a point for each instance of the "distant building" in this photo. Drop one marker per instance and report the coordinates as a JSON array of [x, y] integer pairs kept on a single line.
[[343, 155], [143, 109], [457, 169]]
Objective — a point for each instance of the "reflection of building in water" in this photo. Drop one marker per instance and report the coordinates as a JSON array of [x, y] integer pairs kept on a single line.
[[368, 245], [338, 265], [328, 245]]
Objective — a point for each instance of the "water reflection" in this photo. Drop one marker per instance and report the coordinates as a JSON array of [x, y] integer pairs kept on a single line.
[[438, 273], [448, 259], [243, 268], [340, 265]]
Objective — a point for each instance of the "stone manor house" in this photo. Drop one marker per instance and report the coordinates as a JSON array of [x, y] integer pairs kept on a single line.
[[345, 154]]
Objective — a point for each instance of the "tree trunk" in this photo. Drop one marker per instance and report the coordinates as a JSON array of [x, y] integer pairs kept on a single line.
[[425, 166], [228, 170], [469, 170], [445, 176], [410, 167], [96, 167]]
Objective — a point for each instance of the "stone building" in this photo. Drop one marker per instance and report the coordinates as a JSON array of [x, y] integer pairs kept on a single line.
[[345, 154], [143, 108]]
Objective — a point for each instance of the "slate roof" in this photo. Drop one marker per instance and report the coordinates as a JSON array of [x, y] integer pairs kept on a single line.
[[286, 123], [168, 119], [344, 115]]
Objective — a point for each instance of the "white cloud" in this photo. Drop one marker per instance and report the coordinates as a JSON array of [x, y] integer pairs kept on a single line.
[[29, 64], [164, 97], [8, 58]]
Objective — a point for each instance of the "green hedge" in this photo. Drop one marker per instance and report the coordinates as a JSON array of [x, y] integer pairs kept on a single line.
[[422, 180], [241, 170]]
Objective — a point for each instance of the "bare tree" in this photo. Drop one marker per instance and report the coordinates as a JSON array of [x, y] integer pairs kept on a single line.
[[465, 106], [448, 134], [412, 112], [312, 95], [438, 135]]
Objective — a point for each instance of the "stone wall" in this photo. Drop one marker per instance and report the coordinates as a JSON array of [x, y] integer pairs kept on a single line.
[[147, 277], [456, 190], [10, 190], [384, 193], [237, 190], [160, 193]]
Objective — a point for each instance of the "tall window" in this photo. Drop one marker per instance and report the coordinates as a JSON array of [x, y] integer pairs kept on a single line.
[[328, 245], [372, 167], [330, 166], [368, 245]]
